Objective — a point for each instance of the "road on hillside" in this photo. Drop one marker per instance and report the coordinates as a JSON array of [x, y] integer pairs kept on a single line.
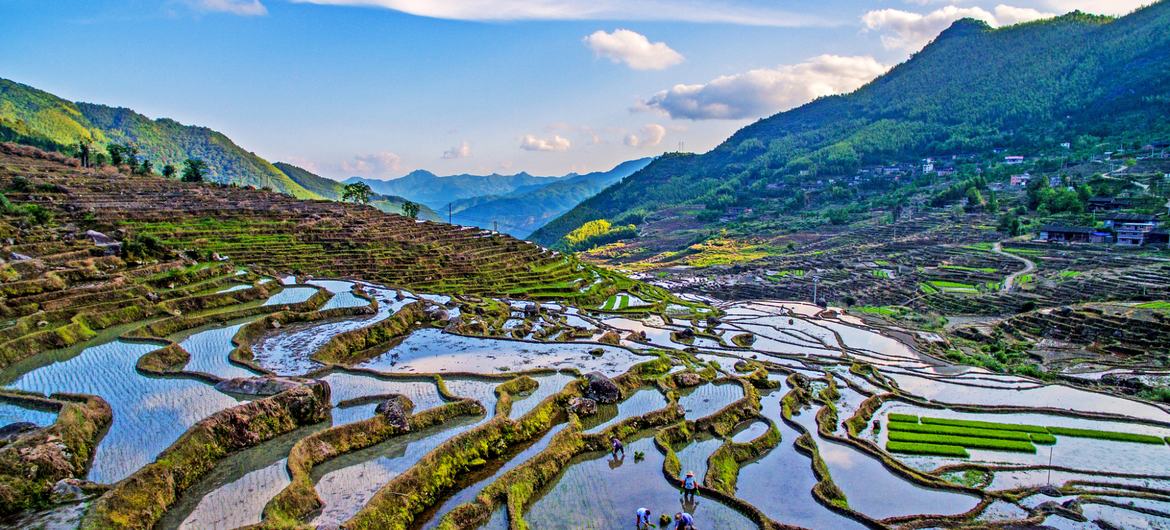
[[1029, 266]]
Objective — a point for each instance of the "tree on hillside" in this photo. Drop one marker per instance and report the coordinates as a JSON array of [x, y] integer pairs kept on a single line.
[[145, 168], [169, 171], [117, 154], [358, 192], [194, 170], [410, 209], [83, 151]]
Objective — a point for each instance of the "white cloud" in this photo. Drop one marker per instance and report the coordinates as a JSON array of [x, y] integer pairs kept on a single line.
[[650, 135], [744, 12], [905, 30], [533, 143], [765, 91], [247, 8], [463, 150], [632, 48], [377, 165], [1103, 7]]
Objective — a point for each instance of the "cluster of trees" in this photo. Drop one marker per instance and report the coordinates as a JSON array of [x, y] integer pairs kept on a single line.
[[596, 233]]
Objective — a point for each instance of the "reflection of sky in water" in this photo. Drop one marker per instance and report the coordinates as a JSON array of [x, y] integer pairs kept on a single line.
[[210, 349], [705, 400], [13, 413], [291, 295], [149, 413], [431, 350], [239, 503]]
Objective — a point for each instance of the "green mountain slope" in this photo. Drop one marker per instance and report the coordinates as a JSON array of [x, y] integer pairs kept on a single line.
[[1076, 78], [432, 190], [332, 190], [36, 117], [520, 212]]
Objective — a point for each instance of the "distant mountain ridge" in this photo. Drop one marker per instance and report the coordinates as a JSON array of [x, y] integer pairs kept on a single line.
[[1067, 79], [32, 116], [436, 191], [332, 190], [524, 210]]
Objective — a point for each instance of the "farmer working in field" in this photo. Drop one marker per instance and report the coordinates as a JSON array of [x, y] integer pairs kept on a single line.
[[684, 521], [642, 519], [690, 487], [617, 447]]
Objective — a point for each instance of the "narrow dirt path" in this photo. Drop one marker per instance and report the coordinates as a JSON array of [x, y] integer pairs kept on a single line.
[[1010, 281]]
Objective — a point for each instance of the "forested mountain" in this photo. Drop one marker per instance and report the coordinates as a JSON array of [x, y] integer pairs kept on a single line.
[[332, 190], [1076, 78], [432, 190], [520, 212], [36, 117]]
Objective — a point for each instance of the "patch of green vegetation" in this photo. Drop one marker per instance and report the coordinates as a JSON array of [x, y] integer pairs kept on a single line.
[[880, 273], [927, 449], [1163, 305], [927, 288], [972, 478], [963, 441], [793, 273], [884, 311], [1106, 435], [986, 247], [985, 425], [903, 418], [987, 270], [958, 431], [1042, 439], [953, 287], [882, 262], [1069, 274]]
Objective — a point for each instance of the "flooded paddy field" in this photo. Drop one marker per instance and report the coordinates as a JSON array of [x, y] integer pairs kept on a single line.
[[851, 453]]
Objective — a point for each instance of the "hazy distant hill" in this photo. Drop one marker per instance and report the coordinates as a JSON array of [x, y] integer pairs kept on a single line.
[[520, 212], [1076, 78], [432, 190], [32, 116], [332, 189]]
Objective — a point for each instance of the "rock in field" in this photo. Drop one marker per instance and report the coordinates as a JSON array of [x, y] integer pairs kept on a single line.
[[256, 386], [688, 379], [396, 410], [582, 406], [12, 430], [601, 388]]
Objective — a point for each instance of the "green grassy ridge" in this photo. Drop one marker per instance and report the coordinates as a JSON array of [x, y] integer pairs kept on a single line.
[[926, 449], [958, 431], [1042, 439], [963, 441], [905, 418]]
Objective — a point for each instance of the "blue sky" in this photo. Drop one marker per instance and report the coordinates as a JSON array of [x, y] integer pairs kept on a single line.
[[380, 87]]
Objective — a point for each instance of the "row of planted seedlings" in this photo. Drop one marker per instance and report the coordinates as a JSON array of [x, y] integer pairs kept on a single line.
[[963, 434], [807, 393]]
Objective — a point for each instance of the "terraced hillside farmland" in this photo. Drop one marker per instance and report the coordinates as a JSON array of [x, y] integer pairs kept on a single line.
[[248, 360]]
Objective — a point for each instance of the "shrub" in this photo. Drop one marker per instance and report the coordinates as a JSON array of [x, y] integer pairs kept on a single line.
[[963, 441], [926, 449]]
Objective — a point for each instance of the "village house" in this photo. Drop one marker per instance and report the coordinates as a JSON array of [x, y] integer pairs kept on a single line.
[[1132, 229], [1103, 204], [1066, 234], [1019, 181], [1013, 160]]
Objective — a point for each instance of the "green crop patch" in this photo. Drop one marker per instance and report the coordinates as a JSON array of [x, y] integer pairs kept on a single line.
[[963, 441], [904, 418], [926, 449], [986, 425], [1106, 435], [960, 431], [1042, 439]]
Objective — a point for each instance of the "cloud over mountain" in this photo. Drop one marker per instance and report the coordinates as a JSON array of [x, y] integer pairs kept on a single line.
[[765, 91]]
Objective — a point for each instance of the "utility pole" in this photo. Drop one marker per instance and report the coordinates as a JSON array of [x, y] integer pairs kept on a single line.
[[816, 279]]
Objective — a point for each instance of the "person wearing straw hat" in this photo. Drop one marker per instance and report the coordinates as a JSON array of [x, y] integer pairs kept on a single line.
[[690, 487]]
